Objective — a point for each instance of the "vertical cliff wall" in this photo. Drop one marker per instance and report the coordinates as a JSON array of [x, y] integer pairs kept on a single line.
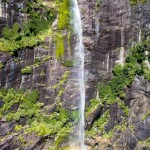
[[110, 27]]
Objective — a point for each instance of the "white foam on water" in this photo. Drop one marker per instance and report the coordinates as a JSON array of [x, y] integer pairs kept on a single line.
[[79, 57]]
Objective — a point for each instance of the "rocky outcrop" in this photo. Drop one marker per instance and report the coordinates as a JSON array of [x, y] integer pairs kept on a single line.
[[138, 98], [136, 131], [92, 117], [106, 36]]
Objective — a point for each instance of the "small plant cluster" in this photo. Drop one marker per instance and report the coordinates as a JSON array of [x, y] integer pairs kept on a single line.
[[145, 143], [99, 125], [57, 125], [1, 65], [26, 70], [59, 87], [137, 63], [146, 115], [39, 60], [68, 63], [134, 2], [94, 103], [26, 101], [29, 33]]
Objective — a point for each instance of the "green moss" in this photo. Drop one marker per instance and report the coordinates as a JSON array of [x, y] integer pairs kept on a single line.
[[59, 87], [94, 103], [3, 92], [59, 46], [146, 70], [134, 2], [18, 127], [99, 125], [32, 31], [26, 70], [64, 14], [62, 135], [146, 115], [63, 80], [27, 101], [145, 143], [1, 65], [68, 63], [57, 126], [132, 128], [114, 90], [63, 24], [37, 60], [47, 58]]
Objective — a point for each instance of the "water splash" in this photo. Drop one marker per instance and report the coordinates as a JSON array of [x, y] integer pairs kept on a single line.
[[79, 57], [140, 33], [107, 57]]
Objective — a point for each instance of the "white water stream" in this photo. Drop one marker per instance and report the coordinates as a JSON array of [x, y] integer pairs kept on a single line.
[[79, 57]]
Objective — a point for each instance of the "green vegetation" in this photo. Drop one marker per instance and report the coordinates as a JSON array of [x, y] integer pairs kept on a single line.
[[26, 70], [68, 63], [1, 65], [59, 46], [64, 14], [99, 125], [113, 92], [117, 128], [47, 58], [145, 143], [63, 24], [59, 87], [37, 26], [39, 60], [58, 125], [134, 2], [146, 115], [32, 31], [26, 101], [94, 103]]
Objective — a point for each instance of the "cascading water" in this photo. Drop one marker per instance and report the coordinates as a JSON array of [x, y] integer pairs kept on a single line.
[[79, 57]]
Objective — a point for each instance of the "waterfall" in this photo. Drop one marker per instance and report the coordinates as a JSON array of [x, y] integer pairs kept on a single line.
[[79, 57]]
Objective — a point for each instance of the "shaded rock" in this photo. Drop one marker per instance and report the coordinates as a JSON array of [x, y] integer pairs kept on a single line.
[[92, 116], [142, 129], [90, 142], [103, 144], [116, 117], [49, 109]]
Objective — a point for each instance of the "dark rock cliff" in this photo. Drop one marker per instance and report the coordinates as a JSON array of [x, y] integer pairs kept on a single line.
[[109, 28]]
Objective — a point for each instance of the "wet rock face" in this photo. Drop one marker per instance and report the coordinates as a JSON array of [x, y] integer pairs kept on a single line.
[[105, 32], [45, 75], [142, 129], [140, 21], [138, 100], [136, 129]]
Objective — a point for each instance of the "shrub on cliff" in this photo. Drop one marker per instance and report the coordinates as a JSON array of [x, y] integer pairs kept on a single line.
[[39, 20], [114, 91], [26, 70], [134, 2]]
